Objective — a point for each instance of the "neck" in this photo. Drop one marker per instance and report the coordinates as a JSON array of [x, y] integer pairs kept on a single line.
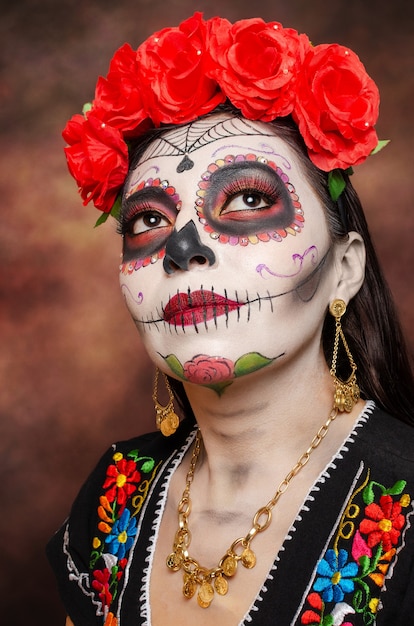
[[261, 418]]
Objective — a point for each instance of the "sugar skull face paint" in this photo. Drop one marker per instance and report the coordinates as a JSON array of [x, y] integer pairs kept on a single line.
[[210, 299], [148, 217], [246, 199]]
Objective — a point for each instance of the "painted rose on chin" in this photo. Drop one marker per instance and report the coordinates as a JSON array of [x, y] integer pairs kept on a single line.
[[205, 370], [216, 372]]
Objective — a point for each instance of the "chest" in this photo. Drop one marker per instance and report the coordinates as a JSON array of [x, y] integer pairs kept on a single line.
[[177, 597], [335, 545]]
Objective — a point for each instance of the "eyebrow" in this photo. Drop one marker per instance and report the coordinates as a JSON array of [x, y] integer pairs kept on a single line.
[[264, 149], [235, 167], [147, 193]]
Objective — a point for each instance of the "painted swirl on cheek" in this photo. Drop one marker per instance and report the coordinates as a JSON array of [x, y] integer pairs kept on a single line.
[[298, 261], [246, 199], [138, 299]]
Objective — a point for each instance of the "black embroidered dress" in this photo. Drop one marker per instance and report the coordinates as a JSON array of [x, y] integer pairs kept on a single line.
[[348, 559]]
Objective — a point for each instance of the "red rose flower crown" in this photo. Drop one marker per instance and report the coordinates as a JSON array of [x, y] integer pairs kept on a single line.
[[265, 70]]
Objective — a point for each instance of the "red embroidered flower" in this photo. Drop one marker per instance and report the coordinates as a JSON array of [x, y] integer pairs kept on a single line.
[[100, 583], [336, 107], [207, 370], [97, 158], [120, 478], [173, 73], [310, 617], [384, 524], [118, 97], [256, 64]]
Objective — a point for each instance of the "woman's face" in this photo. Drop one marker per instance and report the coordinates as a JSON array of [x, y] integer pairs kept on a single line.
[[226, 251]]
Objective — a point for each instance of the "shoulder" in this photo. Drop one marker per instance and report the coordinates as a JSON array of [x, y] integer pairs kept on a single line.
[[90, 552], [387, 435], [152, 445]]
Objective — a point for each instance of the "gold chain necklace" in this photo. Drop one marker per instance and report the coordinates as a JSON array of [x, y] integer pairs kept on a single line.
[[216, 579]]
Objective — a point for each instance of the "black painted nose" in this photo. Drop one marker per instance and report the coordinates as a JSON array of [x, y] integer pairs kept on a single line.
[[185, 247]]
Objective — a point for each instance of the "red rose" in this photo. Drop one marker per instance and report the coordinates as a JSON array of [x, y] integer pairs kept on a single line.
[[255, 64], [118, 99], [208, 370], [173, 74], [97, 158], [336, 107]]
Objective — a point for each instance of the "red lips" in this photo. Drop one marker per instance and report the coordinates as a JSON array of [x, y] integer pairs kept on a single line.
[[196, 307]]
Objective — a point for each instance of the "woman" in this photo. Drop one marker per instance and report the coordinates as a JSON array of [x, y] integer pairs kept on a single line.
[[285, 493]]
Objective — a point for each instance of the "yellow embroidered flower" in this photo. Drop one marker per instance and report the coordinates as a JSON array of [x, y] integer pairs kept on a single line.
[[405, 500]]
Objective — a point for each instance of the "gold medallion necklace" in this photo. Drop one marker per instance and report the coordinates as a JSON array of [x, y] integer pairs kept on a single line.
[[205, 580]]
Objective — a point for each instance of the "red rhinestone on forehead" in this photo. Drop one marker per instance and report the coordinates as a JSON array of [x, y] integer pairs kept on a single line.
[[157, 182]]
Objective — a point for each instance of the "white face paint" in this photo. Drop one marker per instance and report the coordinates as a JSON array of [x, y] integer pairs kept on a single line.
[[226, 252]]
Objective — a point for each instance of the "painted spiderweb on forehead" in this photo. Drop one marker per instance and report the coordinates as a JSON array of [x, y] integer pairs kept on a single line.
[[186, 139]]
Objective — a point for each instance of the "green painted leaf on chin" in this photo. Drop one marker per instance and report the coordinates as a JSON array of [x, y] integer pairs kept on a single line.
[[250, 362], [219, 388], [175, 365]]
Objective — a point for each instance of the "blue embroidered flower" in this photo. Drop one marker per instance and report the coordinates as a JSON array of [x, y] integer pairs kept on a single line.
[[335, 576], [121, 537]]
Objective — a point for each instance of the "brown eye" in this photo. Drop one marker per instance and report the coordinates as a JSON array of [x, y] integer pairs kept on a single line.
[[247, 199], [148, 220], [252, 199]]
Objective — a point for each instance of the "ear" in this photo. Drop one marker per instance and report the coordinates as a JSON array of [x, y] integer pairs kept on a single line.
[[350, 267]]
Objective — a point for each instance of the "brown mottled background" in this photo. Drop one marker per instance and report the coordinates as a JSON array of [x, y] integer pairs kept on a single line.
[[73, 374]]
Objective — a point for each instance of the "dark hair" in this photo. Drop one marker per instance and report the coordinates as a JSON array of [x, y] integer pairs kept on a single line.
[[371, 324]]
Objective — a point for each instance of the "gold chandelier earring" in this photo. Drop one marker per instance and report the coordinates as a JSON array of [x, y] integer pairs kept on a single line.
[[166, 418], [346, 392]]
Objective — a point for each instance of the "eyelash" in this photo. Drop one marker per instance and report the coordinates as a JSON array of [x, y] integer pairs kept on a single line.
[[257, 185], [131, 214]]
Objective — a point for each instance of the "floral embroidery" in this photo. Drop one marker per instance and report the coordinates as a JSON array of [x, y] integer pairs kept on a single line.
[[384, 522], [124, 492], [120, 479], [335, 576], [351, 574], [111, 620], [122, 535]]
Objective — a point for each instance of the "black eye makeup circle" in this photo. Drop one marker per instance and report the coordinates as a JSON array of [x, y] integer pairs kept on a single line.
[[146, 221], [245, 199]]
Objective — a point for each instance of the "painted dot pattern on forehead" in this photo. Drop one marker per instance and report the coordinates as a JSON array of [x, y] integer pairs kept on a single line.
[[133, 265], [293, 228], [156, 182]]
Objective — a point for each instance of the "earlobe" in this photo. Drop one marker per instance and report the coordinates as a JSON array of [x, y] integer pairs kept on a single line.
[[350, 266]]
